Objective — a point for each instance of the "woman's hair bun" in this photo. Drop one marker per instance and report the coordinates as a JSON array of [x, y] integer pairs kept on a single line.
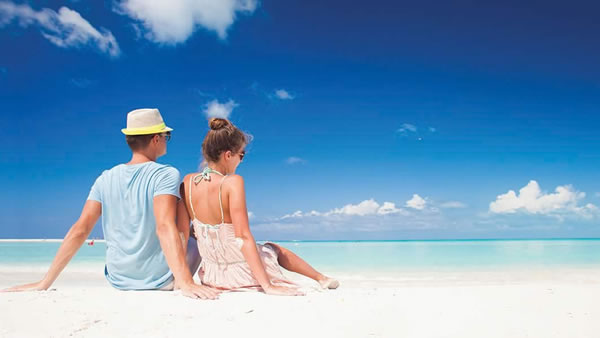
[[216, 123]]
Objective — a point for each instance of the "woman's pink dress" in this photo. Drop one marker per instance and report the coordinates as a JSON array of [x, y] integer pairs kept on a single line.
[[223, 264]]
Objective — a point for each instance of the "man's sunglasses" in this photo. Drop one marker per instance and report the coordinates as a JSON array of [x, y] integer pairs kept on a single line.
[[166, 135]]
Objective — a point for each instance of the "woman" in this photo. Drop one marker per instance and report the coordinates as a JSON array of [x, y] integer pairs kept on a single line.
[[215, 202]]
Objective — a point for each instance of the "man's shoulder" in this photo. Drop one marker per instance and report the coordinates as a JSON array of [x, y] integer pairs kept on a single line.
[[111, 171], [159, 172], [163, 168], [151, 168]]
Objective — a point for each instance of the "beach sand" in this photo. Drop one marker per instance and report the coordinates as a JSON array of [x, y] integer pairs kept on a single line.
[[479, 304]]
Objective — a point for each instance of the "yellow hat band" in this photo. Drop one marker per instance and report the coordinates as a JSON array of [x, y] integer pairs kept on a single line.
[[146, 130]]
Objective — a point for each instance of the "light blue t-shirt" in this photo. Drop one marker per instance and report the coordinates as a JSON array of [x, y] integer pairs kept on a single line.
[[134, 258]]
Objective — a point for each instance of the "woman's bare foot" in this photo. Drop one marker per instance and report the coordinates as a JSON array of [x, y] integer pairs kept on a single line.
[[329, 283]]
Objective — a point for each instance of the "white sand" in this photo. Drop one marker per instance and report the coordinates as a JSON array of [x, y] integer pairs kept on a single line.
[[517, 304]]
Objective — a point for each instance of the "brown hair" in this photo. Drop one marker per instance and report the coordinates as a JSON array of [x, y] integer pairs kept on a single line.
[[221, 137], [138, 142]]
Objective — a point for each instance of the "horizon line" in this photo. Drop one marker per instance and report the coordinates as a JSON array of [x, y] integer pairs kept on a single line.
[[56, 240]]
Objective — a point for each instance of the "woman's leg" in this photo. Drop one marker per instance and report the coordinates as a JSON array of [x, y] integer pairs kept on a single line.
[[292, 262]]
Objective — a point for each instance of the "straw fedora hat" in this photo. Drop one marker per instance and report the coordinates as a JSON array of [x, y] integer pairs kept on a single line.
[[144, 122]]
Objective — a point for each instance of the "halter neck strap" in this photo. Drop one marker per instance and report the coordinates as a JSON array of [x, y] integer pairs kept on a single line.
[[205, 175]]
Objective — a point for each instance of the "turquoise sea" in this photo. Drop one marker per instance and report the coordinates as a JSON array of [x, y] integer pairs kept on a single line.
[[391, 256]]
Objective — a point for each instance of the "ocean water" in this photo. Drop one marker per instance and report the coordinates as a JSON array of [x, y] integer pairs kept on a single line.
[[365, 256]]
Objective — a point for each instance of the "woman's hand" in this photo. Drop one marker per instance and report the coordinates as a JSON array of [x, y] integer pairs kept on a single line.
[[37, 286], [278, 290]]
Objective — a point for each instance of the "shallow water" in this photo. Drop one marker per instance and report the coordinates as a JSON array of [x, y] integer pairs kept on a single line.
[[374, 255]]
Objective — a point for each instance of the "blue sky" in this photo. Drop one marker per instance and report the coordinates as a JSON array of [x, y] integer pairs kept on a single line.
[[384, 120]]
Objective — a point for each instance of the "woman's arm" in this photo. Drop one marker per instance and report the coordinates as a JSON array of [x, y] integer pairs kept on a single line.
[[239, 217], [71, 243]]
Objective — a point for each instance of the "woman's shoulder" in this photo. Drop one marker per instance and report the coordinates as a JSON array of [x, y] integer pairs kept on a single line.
[[186, 179], [184, 183], [235, 179], [188, 176], [234, 182]]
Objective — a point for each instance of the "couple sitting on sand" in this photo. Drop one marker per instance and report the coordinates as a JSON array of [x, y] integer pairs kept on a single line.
[[146, 213]]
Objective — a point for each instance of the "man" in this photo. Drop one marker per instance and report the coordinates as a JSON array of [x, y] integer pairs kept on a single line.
[[137, 202]]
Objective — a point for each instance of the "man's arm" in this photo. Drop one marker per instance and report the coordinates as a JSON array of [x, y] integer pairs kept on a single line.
[[183, 219], [165, 207], [71, 243]]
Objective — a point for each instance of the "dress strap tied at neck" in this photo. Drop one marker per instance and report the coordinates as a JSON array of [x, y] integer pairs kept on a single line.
[[205, 175]]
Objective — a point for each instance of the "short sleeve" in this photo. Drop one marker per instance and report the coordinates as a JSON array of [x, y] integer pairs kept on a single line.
[[96, 191], [167, 182]]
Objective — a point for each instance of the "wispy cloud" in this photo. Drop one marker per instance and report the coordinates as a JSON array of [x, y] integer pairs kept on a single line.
[[202, 93], [564, 200], [453, 205], [406, 128], [81, 83], [283, 94], [409, 130], [172, 22], [65, 28], [295, 160], [300, 213], [216, 109]]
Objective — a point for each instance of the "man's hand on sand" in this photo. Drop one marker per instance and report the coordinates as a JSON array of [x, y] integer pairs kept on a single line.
[[37, 286], [199, 291]]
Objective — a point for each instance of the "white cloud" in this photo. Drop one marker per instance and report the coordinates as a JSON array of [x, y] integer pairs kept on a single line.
[[299, 214], [407, 127], [216, 109], [251, 215], [388, 208], [364, 208], [295, 214], [453, 205], [366, 216], [532, 200], [65, 28], [294, 160], [416, 202], [283, 94], [174, 21]]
